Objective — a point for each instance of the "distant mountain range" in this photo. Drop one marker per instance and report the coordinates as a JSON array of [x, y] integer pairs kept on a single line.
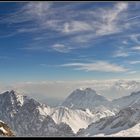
[[113, 89], [83, 113]]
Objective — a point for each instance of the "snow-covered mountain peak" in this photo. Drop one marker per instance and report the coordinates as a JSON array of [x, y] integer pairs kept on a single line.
[[13, 97], [83, 92], [85, 98], [90, 90], [8, 93], [87, 90], [11, 93]]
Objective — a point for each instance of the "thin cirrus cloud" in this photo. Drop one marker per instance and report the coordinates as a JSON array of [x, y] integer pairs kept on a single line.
[[111, 19], [120, 53], [76, 26], [106, 23], [83, 26], [131, 72], [30, 11], [135, 17], [45, 16], [134, 37], [136, 48], [134, 62], [101, 66], [61, 48]]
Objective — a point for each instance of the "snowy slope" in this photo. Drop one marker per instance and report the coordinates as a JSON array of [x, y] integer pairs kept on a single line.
[[126, 100], [130, 132], [119, 123], [77, 118], [85, 98]]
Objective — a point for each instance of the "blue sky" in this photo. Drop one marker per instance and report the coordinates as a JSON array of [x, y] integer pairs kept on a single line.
[[69, 41]]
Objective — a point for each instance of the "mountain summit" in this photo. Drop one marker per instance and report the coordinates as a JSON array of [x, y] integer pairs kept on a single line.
[[85, 98]]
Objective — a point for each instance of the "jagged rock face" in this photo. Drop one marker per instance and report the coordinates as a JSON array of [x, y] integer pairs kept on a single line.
[[27, 117], [36, 123], [10, 104], [5, 130]]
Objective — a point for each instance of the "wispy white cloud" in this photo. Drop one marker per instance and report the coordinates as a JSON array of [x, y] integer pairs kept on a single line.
[[101, 66], [76, 26], [132, 18], [9, 35], [135, 38], [83, 38], [40, 13], [137, 48], [61, 48], [132, 72], [31, 11], [37, 9], [125, 42], [134, 62], [107, 23], [63, 20], [121, 54], [26, 30], [110, 19]]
